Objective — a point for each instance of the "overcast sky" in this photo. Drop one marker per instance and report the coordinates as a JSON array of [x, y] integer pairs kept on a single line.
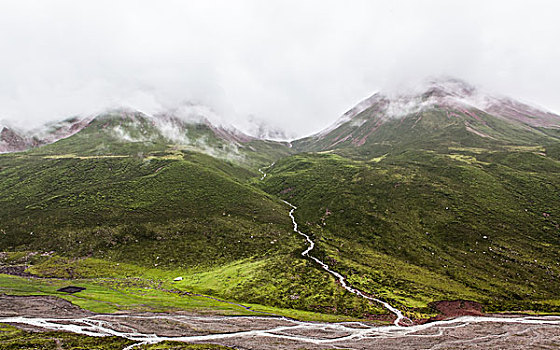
[[295, 64]]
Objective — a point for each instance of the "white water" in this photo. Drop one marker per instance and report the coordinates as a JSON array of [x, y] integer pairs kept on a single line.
[[263, 174], [341, 279], [399, 316], [262, 171], [101, 325]]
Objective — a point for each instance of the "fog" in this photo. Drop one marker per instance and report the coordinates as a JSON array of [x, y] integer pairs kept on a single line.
[[292, 65]]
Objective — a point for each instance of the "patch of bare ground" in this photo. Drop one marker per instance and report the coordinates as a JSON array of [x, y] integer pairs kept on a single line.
[[18, 270], [453, 308], [39, 306]]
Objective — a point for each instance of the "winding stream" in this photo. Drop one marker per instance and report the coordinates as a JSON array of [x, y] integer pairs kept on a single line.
[[257, 330], [263, 172], [341, 279]]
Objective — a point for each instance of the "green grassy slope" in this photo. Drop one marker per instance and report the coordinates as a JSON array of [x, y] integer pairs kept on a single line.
[[121, 133], [164, 208], [372, 133], [424, 208], [421, 226], [444, 203], [123, 206]]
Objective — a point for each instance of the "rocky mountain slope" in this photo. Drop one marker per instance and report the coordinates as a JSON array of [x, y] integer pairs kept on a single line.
[[442, 113], [127, 131], [13, 140]]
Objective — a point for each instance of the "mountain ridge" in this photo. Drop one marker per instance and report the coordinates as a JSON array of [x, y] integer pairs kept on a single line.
[[457, 98], [441, 104], [445, 203]]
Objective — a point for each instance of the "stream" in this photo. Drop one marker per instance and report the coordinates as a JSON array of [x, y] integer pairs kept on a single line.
[[255, 332], [341, 279]]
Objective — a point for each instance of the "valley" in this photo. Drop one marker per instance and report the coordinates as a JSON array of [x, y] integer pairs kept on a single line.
[[421, 219]]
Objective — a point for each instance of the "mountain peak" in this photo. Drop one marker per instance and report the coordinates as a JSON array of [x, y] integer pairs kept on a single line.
[[448, 108], [440, 90], [452, 94], [447, 86]]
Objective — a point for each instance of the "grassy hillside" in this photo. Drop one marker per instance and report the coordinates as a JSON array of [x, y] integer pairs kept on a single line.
[[440, 203], [125, 133], [100, 205], [420, 226], [372, 133], [199, 216], [429, 207]]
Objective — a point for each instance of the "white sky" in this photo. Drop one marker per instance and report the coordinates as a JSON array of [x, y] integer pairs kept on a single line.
[[295, 64]]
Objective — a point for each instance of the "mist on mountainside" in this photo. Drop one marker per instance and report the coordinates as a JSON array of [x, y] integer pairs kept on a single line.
[[297, 67]]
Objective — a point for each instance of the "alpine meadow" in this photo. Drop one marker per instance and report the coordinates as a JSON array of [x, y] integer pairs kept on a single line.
[[279, 175], [443, 202]]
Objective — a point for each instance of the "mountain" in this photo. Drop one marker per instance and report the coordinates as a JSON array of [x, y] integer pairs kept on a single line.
[[436, 194], [442, 113], [12, 140], [442, 194], [125, 131], [161, 192]]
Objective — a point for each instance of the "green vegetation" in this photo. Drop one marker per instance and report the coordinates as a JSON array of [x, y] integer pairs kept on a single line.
[[128, 133], [159, 208], [112, 287], [425, 208], [437, 128], [421, 226], [197, 209]]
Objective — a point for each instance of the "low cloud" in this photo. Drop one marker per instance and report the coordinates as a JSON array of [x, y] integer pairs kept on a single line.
[[294, 67], [178, 130]]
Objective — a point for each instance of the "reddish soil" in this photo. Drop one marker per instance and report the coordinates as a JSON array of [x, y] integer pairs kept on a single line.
[[453, 308]]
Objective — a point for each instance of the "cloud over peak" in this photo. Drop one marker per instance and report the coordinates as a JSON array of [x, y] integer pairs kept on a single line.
[[296, 66]]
